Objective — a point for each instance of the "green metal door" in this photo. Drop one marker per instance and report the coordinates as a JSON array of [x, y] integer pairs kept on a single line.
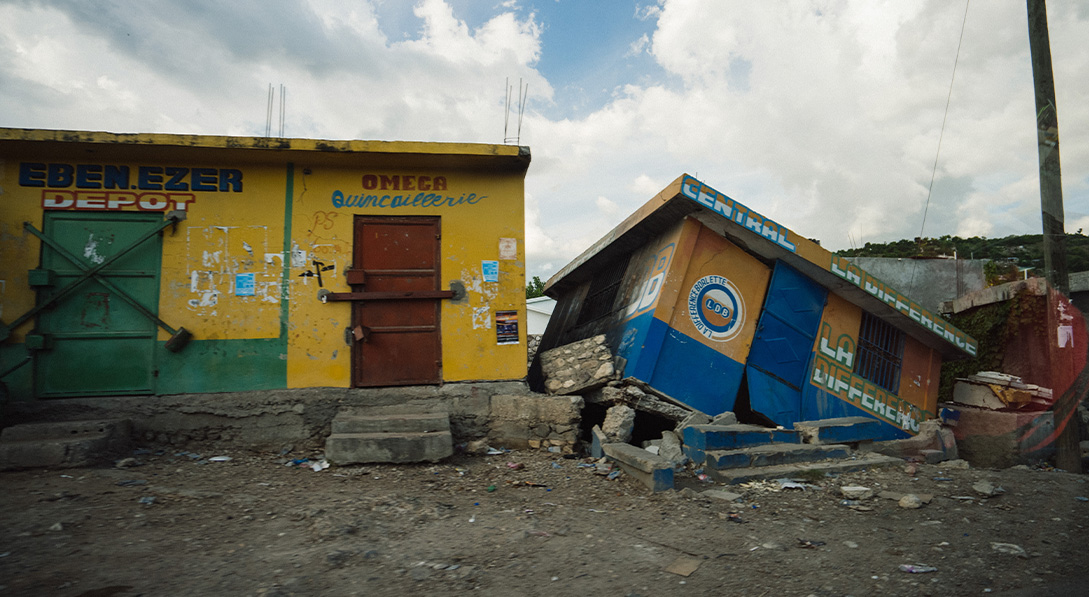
[[98, 343]]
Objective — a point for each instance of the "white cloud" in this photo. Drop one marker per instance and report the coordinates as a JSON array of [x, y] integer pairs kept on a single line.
[[822, 114]]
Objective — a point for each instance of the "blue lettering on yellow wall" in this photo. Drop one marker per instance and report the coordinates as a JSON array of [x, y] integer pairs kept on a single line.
[[339, 199]]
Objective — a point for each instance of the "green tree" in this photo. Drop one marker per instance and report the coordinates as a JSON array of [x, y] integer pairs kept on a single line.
[[535, 288]]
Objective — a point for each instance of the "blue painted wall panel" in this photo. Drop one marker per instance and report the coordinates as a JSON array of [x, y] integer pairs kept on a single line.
[[695, 374], [819, 404]]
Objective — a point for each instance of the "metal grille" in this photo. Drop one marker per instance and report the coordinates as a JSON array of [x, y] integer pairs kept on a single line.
[[602, 294], [880, 352]]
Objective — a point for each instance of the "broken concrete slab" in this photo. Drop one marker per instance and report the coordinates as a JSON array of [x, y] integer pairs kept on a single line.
[[650, 469], [843, 430], [773, 454], [934, 443], [742, 475]]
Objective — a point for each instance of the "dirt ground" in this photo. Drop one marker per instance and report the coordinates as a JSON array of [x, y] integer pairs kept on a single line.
[[180, 524]]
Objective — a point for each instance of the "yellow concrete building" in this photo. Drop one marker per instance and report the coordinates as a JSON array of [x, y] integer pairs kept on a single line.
[[170, 264]]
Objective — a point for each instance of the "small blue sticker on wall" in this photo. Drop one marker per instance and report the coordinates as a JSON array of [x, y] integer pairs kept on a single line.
[[491, 270], [243, 284]]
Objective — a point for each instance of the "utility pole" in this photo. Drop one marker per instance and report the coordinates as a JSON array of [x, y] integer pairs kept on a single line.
[[1047, 139], [1067, 450]]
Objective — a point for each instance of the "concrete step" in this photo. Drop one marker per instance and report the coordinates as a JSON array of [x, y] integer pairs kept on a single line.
[[63, 444], [699, 439], [650, 469], [773, 455], [413, 446], [742, 475], [844, 430], [399, 423]]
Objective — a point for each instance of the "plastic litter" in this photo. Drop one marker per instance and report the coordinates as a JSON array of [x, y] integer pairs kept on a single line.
[[147, 500], [557, 465], [494, 451], [219, 459], [807, 544], [320, 465], [490, 488], [514, 466], [917, 568], [1082, 498], [613, 475]]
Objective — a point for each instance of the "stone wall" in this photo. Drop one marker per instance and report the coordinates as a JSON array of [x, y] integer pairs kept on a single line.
[[578, 367], [520, 421]]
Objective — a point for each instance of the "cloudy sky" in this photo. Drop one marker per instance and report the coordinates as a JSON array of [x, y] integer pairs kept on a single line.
[[822, 114]]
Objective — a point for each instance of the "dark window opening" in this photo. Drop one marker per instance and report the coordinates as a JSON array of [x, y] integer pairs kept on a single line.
[[599, 300], [880, 352]]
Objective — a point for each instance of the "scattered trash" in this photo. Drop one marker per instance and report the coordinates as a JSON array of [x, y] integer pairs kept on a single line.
[[495, 451], [525, 484], [807, 544], [1009, 548], [147, 500], [850, 503], [57, 527], [943, 479], [851, 544], [917, 568], [320, 465], [613, 475], [555, 449], [792, 484], [127, 463], [1082, 498], [490, 488], [734, 517], [557, 465], [514, 466], [297, 462], [461, 471], [595, 510], [704, 478], [67, 477], [472, 518], [219, 459]]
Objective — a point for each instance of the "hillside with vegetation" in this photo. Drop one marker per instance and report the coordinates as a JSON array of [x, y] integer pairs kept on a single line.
[[1009, 254]]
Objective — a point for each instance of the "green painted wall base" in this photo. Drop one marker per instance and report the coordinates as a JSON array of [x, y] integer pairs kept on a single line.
[[223, 366], [18, 382]]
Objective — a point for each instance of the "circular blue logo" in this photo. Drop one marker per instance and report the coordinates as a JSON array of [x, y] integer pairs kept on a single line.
[[717, 308]]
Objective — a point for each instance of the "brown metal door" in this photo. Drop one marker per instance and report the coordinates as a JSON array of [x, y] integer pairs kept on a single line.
[[398, 342]]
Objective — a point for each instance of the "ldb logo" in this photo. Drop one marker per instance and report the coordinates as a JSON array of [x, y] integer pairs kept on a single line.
[[717, 308]]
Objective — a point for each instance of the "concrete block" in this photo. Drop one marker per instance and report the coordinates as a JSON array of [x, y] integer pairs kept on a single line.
[[727, 437], [996, 439], [54, 453], [359, 448], [844, 430], [651, 470]]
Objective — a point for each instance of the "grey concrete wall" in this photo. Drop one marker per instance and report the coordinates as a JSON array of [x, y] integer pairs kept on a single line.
[[269, 418], [927, 281]]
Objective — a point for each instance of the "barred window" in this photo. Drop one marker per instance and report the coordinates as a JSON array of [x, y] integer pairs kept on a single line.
[[602, 294], [880, 352]]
